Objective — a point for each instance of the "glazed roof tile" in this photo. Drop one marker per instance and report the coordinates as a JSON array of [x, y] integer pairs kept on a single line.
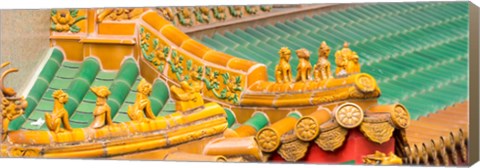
[[409, 70], [81, 116]]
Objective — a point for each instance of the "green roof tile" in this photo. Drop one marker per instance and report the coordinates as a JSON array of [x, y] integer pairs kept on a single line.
[[409, 69]]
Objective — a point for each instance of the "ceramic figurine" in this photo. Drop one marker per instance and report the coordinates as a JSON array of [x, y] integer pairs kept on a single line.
[[59, 114], [102, 111], [283, 72], [142, 107], [321, 70], [186, 96], [304, 68]]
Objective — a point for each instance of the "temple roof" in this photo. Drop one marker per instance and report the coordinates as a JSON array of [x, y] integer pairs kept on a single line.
[[76, 78], [413, 71]]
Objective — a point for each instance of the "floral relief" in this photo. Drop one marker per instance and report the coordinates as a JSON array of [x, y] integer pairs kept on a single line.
[[65, 20]]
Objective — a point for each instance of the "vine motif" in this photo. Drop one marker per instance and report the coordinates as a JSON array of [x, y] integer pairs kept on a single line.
[[251, 9], [236, 11], [176, 65], [232, 85], [65, 20], [202, 14], [266, 8], [185, 16], [158, 55], [219, 12], [144, 37]]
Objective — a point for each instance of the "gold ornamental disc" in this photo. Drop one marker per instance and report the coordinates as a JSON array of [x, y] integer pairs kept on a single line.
[[349, 115]]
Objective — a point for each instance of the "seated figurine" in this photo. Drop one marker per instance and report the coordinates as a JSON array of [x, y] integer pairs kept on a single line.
[[321, 71], [186, 97], [341, 60], [142, 106], [101, 112], [347, 61], [283, 73], [353, 65], [59, 114], [304, 67]]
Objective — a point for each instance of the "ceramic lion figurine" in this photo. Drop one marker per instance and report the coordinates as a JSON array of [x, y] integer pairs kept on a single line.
[[59, 114], [142, 106], [102, 111], [304, 67], [283, 72], [321, 70]]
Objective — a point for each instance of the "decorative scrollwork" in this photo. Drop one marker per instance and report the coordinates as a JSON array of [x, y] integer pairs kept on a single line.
[[22, 152], [293, 151], [378, 132], [332, 139], [349, 115]]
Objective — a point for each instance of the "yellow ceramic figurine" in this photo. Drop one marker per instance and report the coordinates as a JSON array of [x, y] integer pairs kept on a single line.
[[347, 61], [101, 112], [12, 106], [142, 107], [186, 97], [304, 67], [379, 158], [283, 72], [10, 111], [321, 71], [59, 114]]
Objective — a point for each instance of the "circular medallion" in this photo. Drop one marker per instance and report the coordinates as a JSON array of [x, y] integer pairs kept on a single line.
[[349, 115], [307, 129], [365, 83], [400, 116], [268, 140]]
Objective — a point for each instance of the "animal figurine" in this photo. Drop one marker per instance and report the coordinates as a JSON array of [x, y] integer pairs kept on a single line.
[[379, 158], [347, 61], [341, 60], [186, 96], [59, 114], [353, 65], [142, 107], [304, 67], [321, 70], [12, 106], [102, 111], [283, 72]]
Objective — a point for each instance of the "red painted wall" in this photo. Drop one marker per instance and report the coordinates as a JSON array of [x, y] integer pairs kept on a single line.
[[355, 146]]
